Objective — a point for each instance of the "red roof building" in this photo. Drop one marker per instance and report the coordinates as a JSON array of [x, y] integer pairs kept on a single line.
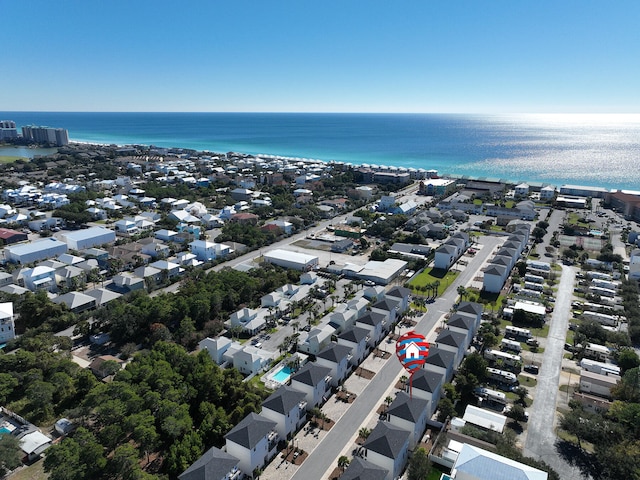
[[8, 236]]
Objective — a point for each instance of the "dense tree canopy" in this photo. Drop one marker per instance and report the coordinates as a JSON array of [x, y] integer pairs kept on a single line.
[[166, 403]]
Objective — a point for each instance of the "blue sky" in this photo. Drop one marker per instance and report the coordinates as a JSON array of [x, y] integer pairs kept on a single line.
[[329, 56]]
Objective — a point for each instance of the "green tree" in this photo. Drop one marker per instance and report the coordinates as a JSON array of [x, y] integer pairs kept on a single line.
[[343, 462], [446, 409], [517, 413], [40, 394], [628, 388], [626, 358], [364, 433], [10, 457], [419, 465], [76, 458], [7, 385]]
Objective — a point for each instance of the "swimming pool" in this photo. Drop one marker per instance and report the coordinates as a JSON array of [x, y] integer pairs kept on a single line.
[[282, 375], [4, 430]]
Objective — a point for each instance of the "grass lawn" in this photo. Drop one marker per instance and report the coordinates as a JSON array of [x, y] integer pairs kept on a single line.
[[477, 201], [570, 334], [34, 471], [586, 446], [574, 219], [11, 158], [432, 275], [420, 308], [437, 471], [527, 382]]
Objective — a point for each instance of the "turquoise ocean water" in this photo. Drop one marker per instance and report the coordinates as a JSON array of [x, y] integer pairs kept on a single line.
[[600, 150]]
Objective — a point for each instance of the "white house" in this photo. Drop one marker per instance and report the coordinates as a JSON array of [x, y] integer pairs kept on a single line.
[[40, 277], [251, 360], [522, 190], [213, 464], [253, 442], [336, 357], [547, 193], [207, 251], [387, 446], [441, 361], [427, 385], [248, 319], [356, 339], [215, 347], [402, 295], [288, 408], [314, 381], [7, 325], [317, 339], [372, 322], [455, 342], [494, 278], [409, 413]]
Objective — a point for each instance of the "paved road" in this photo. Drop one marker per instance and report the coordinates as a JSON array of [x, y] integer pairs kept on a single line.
[[324, 457], [541, 435]]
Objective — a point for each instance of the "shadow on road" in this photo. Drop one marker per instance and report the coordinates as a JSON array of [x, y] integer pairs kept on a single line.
[[578, 458]]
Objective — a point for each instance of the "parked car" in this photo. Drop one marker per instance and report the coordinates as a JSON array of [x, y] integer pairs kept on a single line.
[[534, 369]]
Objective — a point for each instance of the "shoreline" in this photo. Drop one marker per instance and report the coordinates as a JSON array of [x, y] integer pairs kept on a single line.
[[447, 175]]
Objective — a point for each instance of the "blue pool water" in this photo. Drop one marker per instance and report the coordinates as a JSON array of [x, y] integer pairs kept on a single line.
[[4, 430], [282, 375]]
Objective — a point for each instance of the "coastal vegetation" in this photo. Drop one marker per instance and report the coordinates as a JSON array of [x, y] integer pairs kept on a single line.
[[156, 417]]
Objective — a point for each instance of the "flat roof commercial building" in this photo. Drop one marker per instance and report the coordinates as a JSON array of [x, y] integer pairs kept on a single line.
[[289, 259], [91, 237], [35, 251]]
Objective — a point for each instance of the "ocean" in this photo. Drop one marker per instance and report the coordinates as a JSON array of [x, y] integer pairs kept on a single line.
[[599, 150]]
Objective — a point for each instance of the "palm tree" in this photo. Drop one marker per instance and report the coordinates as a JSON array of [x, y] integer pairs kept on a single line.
[[343, 463], [436, 285], [295, 326], [388, 401], [364, 433], [462, 292]]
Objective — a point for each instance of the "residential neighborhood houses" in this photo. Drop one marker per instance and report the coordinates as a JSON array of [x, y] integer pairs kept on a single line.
[[159, 222]]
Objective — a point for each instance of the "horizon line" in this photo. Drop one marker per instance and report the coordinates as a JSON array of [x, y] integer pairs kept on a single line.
[[325, 113]]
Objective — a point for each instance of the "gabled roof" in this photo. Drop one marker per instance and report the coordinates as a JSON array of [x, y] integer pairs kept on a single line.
[[283, 400], [214, 464], [311, 374], [387, 440], [447, 337], [427, 381], [408, 408], [360, 469], [354, 335], [250, 431]]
